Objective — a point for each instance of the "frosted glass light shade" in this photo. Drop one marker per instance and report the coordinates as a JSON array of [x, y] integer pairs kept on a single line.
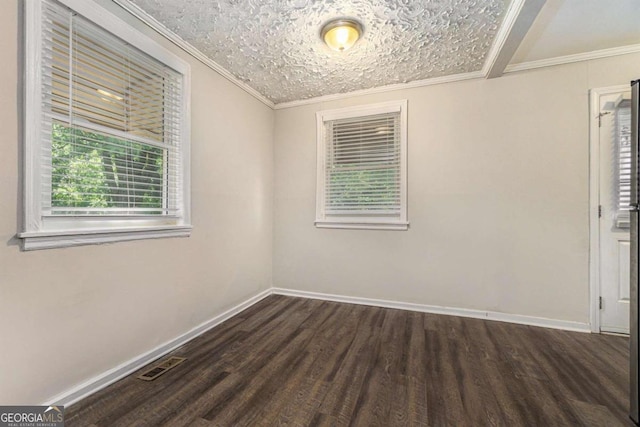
[[341, 34]]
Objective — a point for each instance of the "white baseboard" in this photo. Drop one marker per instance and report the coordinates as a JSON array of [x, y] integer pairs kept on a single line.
[[451, 311], [99, 382]]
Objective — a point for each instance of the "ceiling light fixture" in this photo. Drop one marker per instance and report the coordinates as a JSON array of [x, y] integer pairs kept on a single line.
[[341, 34]]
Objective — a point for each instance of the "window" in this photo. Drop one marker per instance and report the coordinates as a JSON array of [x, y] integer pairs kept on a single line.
[[106, 130], [362, 167], [623, 162]]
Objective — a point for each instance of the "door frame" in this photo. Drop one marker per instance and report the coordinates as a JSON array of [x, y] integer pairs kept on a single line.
[[594, 201]]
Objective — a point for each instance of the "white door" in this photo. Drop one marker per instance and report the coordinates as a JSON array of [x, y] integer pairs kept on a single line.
[[615, 191]]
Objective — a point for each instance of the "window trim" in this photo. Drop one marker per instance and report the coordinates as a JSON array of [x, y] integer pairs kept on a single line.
[[40, 233], [360, 222]]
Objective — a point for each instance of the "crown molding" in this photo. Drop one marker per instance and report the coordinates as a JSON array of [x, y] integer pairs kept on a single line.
[[381, 89], [587, 56], [568, 59], [516, 24], [156, 25]]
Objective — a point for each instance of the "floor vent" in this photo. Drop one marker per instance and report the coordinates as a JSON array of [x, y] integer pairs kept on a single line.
[[162, 367]]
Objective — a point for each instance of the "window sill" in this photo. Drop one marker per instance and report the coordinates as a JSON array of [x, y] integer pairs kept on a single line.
[[61, 239], [399, 226]]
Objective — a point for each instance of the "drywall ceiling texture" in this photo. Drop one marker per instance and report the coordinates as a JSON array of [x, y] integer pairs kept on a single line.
[[275, 47]]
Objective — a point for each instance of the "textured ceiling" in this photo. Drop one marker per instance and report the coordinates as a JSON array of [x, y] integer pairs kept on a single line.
[[274, 46]]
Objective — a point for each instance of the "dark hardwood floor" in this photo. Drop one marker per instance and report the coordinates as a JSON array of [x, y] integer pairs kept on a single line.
[[298, 362]]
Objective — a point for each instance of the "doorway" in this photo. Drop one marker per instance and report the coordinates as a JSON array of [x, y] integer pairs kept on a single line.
[[610, 152]]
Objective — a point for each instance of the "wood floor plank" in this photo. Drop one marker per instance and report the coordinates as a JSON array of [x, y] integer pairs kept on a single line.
[[544, 394], [296, 362], [250, 396], [374, 401], [503, 384], [570, 369], [324, 420], [328, 351], [330, 339], [444, 397], [341, 398], [409, 404], [591, 414], [476, 362], [477, 397]]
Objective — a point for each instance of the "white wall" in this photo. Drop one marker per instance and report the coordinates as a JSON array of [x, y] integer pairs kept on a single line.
[[498, 198], [67, 315]]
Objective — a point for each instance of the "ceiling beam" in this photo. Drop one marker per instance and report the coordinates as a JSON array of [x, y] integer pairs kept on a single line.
[[514, 28]]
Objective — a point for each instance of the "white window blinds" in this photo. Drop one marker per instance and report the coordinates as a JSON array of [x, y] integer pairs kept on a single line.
[[112, 115], [623, 162], [363, 165]]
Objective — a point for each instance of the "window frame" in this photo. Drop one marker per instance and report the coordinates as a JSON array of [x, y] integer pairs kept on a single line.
[[38, 232], [368, 222]]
